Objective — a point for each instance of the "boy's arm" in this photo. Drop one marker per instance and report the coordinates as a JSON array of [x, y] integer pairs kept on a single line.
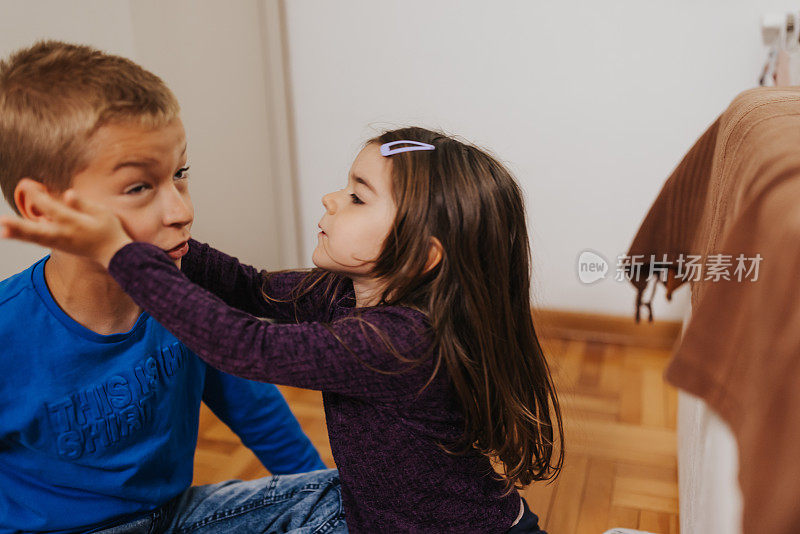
[[240, 285], [259, 415], [346, 356]]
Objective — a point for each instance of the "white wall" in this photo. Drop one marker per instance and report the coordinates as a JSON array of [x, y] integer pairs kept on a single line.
[[211, 55], [591, 104]]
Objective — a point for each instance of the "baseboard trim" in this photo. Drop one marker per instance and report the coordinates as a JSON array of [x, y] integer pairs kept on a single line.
[[615, 329]]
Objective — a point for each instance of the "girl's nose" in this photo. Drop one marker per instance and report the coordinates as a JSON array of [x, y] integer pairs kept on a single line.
[[329, 203]]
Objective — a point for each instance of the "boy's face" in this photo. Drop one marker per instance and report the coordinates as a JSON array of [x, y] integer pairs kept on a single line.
[[140, 174]]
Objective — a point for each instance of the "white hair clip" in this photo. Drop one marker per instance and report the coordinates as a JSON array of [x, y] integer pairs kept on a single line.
[[387, 150]]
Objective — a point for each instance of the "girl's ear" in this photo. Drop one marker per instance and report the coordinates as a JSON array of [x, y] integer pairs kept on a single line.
[[434, 254]]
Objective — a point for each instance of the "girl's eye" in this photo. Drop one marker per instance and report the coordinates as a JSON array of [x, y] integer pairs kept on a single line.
[[356, 200], [182, 173]]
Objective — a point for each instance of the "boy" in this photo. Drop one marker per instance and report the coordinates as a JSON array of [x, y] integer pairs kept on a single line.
[[99, 404]]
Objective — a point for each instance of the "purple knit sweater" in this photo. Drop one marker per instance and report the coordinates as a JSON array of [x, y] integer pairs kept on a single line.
[[383, 437]]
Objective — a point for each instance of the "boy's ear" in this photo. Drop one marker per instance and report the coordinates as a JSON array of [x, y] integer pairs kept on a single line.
[[22, 198], [434, 254]]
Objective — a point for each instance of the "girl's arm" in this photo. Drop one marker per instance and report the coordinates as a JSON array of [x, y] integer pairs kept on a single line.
[[307, 355], [239, 285]]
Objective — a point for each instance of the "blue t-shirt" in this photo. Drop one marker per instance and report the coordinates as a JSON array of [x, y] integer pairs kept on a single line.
[[96, 427]]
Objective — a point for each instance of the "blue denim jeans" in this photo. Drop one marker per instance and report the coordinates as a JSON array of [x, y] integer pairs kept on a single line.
[[307, 503]]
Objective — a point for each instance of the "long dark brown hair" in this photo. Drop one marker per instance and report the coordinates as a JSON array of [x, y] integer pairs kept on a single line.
[[477, 298]]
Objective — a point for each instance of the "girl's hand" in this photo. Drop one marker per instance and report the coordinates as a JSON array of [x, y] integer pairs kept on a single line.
[[74, 225]]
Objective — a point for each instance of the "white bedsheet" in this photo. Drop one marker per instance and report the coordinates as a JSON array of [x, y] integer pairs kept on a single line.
[[710, 499]]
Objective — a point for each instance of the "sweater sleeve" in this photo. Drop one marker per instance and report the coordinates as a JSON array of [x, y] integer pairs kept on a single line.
[[346, 356], [240, 285]]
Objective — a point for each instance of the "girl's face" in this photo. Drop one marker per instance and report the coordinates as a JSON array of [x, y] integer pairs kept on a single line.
[[357, 218]]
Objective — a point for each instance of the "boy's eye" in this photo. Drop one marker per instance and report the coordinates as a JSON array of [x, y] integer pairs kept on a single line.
[[356, 200], [182, 173], [136, 189]]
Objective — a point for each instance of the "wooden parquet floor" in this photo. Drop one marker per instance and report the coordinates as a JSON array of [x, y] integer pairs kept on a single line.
[[620, 468]]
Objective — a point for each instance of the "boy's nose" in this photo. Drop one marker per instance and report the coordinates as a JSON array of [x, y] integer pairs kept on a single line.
[[178, 211]]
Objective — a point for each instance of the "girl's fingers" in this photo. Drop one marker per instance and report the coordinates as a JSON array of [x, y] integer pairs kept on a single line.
[[52, 207], [81, 204], [24, 230], [5, 233], [72, 199]]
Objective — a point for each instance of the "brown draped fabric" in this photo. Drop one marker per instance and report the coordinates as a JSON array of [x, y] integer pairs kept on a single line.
[[737, 192]]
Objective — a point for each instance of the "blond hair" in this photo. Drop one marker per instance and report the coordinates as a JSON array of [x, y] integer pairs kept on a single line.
[[55, 95]]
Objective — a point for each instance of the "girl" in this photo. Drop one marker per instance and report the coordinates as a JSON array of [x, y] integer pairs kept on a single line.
[[415, 325]]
